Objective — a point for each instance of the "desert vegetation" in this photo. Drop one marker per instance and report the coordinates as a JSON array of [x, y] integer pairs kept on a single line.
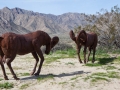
[[62, 69], [106, 25]]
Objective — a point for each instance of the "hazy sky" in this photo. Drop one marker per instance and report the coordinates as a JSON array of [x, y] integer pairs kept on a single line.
[[58, 7]]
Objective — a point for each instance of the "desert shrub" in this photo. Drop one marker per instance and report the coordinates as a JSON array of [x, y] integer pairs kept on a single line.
[[6, 85], [61, 46], [104, 49]]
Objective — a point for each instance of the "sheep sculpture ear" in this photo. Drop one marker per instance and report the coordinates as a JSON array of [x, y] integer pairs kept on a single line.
[[72, 35], [54, 41]]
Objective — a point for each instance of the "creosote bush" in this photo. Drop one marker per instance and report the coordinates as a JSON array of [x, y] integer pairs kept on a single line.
[[62, 46]]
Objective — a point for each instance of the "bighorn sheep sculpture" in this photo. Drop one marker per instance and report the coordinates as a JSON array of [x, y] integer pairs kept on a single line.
[[12, 44], [87, 40]]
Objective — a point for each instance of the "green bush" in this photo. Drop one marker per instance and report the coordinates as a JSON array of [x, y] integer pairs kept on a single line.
[[6, 85]]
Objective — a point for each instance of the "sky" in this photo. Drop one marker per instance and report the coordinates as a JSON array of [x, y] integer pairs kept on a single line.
[[58, 7]]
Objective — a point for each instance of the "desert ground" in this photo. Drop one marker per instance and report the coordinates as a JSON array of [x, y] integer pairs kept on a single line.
[[62, 74]]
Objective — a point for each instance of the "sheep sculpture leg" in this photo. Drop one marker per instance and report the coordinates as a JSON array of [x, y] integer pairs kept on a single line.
[[37, 60]]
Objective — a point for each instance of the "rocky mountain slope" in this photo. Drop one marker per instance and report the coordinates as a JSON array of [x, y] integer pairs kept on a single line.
[[28, 21], [8, 26]]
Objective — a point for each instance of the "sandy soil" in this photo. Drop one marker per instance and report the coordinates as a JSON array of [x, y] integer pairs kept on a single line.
[[67, 74]]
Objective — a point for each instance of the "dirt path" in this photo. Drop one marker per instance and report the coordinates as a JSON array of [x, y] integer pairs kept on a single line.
[[64, 74]]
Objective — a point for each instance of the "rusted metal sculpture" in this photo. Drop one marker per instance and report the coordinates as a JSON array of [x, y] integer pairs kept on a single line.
[[87, 40], [12, 44]]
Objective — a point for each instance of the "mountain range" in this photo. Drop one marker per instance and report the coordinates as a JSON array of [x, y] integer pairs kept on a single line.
[[23, 21]]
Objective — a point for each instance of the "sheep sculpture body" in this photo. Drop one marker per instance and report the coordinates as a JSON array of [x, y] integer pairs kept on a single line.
[[88, 40], [12, 44]]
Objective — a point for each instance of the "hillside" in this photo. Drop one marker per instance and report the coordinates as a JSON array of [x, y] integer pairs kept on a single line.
[[10, 26], [38, 21]]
